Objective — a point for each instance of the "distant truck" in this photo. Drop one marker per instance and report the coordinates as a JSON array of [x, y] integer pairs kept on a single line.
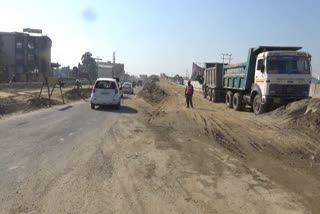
[[272, 76]]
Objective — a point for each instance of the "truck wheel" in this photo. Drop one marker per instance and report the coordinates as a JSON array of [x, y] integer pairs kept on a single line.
[[237, 101], [205, 92], [257, 106], [229, 99], [210, 94], [214, 96]]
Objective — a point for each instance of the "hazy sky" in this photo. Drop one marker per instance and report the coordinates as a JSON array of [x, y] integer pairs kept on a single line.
[[166, 35]]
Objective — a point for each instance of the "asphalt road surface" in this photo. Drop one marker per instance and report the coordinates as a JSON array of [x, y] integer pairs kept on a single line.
[[39, 149]]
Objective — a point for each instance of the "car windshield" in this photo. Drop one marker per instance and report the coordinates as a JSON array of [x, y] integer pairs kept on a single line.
[[288, 65], [105, 85]]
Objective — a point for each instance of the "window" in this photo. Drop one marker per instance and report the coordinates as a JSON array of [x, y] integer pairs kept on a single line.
[[19, 56], [30, 57], [19, 45], [31, 45], [288, 65], [260, 63], [105, 85]]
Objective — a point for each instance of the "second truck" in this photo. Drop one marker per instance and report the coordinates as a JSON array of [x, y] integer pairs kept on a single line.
[[272, 76]]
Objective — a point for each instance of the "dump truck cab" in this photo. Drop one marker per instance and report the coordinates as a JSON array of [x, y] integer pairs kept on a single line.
[[282, 76]]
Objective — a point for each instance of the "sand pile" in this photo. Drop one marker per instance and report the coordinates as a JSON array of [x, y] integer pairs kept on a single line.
[[151, 91], [82, 93], [25, 102], [303, 114]]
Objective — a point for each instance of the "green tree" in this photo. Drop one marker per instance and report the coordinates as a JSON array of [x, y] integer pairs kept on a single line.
[[89, 65]]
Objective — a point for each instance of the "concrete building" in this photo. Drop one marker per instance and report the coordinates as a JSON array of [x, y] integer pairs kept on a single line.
[[25, 56], [143, 77]]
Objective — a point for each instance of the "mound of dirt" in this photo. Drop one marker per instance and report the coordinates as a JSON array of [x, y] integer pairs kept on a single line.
[[23, 101], [303, 114], [74, 94], [152, 91], [42, 102]]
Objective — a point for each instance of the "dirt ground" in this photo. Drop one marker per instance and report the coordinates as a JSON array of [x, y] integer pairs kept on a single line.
[[26, 100], [210, 159], [166, 158]]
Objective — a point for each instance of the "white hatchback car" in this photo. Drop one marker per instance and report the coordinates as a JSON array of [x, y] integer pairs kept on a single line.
[[127, 88], [105, 92]]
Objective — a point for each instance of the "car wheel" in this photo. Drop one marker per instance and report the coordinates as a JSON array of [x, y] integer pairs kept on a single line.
[[118, 105], [92, 106]]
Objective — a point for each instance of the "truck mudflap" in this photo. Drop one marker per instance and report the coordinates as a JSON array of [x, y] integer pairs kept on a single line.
[[272, 100]]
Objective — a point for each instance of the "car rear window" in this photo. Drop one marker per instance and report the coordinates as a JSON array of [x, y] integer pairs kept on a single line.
[[105, 85]]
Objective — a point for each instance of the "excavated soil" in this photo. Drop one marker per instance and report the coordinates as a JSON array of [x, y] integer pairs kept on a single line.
[[25, 100], [166, 158], [301, 115], [151, 91], [283, 162]]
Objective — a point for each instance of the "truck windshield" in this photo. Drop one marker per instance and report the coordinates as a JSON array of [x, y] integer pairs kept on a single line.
[[288, 65]]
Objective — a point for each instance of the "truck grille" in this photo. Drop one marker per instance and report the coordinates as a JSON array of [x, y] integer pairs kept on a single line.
[[289, 90]]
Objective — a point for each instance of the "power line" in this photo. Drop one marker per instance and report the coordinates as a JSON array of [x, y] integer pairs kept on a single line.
[[226, 57]]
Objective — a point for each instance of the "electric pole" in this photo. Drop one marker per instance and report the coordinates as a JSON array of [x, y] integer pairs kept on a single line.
[[226, 57]]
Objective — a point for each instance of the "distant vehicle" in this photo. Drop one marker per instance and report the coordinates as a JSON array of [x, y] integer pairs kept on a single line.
[[127, 88], [139, 83], [105, 92], [120, 87], [272, 76]]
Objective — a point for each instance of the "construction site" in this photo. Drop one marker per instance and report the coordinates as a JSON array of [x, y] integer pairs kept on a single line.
[[160, 107]]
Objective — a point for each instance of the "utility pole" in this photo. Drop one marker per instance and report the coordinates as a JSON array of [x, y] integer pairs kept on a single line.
[[226, 57]]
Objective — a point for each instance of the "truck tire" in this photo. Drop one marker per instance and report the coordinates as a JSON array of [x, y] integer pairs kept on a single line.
[[210, 94], [205, 91], [237, 101], [229, 97], [214, 96], [257, 106]]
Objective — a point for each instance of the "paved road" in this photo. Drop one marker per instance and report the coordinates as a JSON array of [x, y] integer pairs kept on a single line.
[[39, 148]]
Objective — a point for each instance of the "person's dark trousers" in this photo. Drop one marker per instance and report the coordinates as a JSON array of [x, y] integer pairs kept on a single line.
[[189, 100]]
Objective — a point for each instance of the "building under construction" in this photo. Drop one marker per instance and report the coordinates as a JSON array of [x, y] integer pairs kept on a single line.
[[25, 57]]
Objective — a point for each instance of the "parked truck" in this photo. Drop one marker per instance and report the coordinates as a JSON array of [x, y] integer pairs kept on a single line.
[[272, 76]]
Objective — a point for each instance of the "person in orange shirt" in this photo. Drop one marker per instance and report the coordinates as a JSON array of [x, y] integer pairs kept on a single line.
[[188, 94]]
